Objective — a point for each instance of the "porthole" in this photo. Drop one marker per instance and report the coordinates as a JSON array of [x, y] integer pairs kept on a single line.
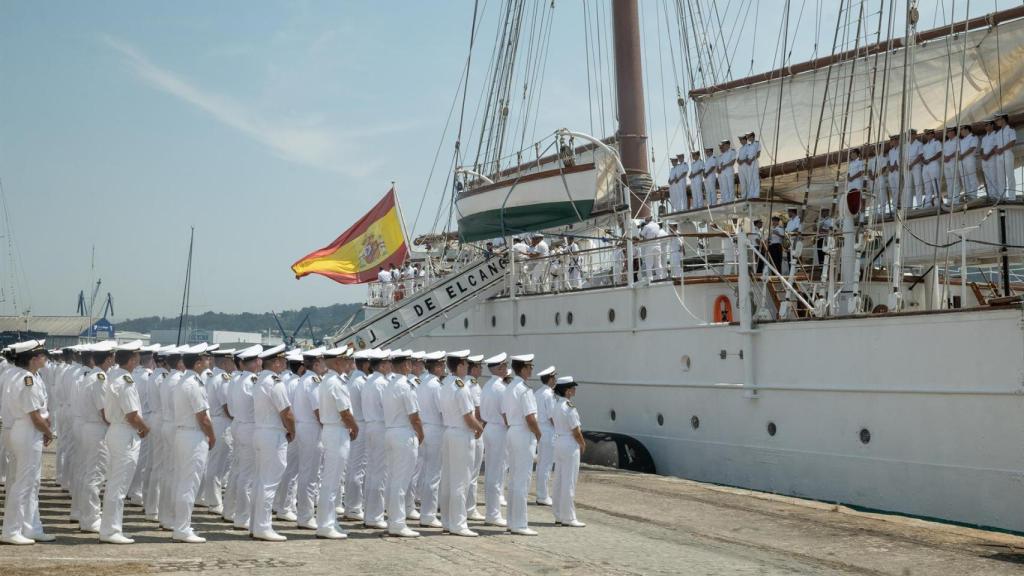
[[694, 422], [643, 312], [465, 323], [612, 414], [611, 314], [522, 319], [494, 321], [442, 325], [661, 420], [558, 318], [865, 435], [568, 317], [771, 429], [685, 362]]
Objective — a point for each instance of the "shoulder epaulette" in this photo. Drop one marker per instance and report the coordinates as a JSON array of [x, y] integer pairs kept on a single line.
[[101, 376], [128, 379], [253, 378], [459, 382], [28, 380], [570, 404], [276, 377], [316, 379], [224, 376]]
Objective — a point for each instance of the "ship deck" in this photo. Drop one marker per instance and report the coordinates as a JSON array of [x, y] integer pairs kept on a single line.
[[637, 524]]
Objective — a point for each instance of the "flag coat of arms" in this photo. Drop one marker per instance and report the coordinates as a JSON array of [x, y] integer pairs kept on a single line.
[[355, 257]]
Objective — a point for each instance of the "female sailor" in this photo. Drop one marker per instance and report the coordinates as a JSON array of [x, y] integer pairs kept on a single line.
[[569, 445]]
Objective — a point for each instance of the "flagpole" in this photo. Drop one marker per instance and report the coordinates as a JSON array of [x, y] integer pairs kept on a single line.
[[401, 218]]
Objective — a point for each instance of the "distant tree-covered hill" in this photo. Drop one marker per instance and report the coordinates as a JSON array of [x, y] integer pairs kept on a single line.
[[324, 321]]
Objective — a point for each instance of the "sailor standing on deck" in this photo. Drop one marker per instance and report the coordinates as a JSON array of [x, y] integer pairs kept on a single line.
[[122, 406], [914, 187], [539, 268], [355, 471], [569, 446], [710, 177], [340, 428], [696, 181], [854, 172], [545, 399], [520, 408], [495, 431], [306, 408], [950, 145], [275, 428], [893, 168], [682, 173], [931, 154], [93, 429], [376, 463], [26, 430], [968, 147], [753, 168], [741, 165], [1007, 139], [193, 439], [989, 160], [460, 429], [240, 404], [428, 396], [673, 185], [651, 250], [403, 435], [726, 171]]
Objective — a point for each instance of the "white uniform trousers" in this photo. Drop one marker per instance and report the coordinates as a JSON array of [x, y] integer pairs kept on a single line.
[[401, 448], [230, 473], [969, 177], [355, 473], [710, 193], [754, 181], [3, 455], [931, 183], [245, 474], [727, 184], [988, 172], [94, 463], [430, 474], [211, 491], [165, 509], [376, 473], [137, 488], [474, 474], [1009, 173], [157, 455], [456, 459], [123, 445], [952, 182], [882, 194], [894, 187], [284, 499], [310, 456], [697, 193], [25, 453], [567, 470], [521, 447], [494, 471], [190, 453], [917, 178], [75, 473], [744, 179], [545, 460], [336, 445], [271, 457], [64, 451]]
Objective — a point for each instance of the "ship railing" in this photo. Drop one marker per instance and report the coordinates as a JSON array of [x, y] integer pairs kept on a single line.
[[384, 294]]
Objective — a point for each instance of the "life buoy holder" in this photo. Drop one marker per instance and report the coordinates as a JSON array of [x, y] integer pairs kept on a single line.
[[722, 309]]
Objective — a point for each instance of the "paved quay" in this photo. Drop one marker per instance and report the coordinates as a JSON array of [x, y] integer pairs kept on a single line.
[[636, 524]]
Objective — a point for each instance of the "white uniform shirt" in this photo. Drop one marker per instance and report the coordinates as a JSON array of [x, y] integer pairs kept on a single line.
[[710, 164], [399, 402], [156, 380], [90, 398], [650, 230], [269, 398], [949, 148], [518, 402], [334, 398], [893, 158], [216, 392], [306, 398], [915, 151], [23, 393], [727, 159], [384, 276], [241, 398], [189, 400], [167, 393], [474, 391], [566, 417], [545, 398], [428, 396], [373, 397], [456, 402], [1006, 135], [988, 144], [966, 143], [931, 148], [141, 375], [355, 383], [121, 398], [793, 226], [856, 165], [490, 401], [697, 170], [540, 250]]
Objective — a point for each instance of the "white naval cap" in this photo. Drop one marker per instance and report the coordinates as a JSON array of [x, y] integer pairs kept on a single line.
[[435, 355], [166, 350], [211, 347], [400, 354], [496, 359], [224, 352], [294, 355], [197, 350], [565, 380], [361, 355], [546, 372], [317, 352], [476, 359], [340, 351], [459, 354], [151, 349], [133, 346], [536, 235], [250, 352], [273, 352], [27, 346], [105, 346], [522, 358], [417, 355]]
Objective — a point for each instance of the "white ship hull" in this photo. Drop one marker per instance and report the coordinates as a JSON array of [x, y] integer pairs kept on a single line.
[[940, 394]]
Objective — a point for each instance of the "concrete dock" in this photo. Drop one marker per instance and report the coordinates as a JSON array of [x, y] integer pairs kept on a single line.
[[636, 524]]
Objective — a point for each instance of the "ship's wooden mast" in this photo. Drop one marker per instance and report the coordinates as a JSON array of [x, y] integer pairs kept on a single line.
[[632, 134]]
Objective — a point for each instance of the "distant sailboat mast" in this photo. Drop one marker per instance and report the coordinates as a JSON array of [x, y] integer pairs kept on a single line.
[[182, 325]]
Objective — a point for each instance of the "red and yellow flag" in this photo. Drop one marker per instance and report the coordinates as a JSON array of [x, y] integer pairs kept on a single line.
[[355, 257]]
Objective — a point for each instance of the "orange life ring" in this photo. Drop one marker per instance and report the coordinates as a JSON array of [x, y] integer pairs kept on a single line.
[[722, 309]]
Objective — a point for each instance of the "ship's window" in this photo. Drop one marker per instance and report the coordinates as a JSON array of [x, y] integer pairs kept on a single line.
[[442, 325], [611, 314], [643, 312], [865, 435], [465, 323], [568, 317], [772, 429], [685, 361], [661, 420], [612, 414], [494, 321], [522, 319], [694, 422], [558, 318]]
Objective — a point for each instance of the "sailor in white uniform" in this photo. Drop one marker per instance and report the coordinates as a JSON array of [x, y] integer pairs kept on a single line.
[[673, 189], [460, 429], [473, 383], [968, 147], [387, 285], [569, 446], [931, 172], [742, 166], [654, 267], [27, 429], [141, 375], [753, 168], [122, 407], [726, 171], [376, 463], [92, 432], [950, 147], [403, 434], [306, 408], [1007, 139], [159, 453], [428, 396], [275, 428], [893, 168], [914, 187], [193, 439], [284, 500], [520, 408], [168, 427], [240, 404], [355, 472], [696, 181], [854, 172], [73, 383], [340, 428], [495, 431], [217, 464], [989, 159], [539, 262], [710, 177], [545, 399]]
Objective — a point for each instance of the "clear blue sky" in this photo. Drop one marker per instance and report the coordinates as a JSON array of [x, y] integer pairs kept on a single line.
[[269, 126]]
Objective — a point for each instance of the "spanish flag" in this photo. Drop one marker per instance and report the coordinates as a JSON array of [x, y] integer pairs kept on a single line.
[[355, 257]]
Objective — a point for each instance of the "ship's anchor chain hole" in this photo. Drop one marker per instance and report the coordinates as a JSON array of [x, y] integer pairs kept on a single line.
[[612, 414], [694, 422], [865, 435], [643, 312], [661, 420], [772, 429]]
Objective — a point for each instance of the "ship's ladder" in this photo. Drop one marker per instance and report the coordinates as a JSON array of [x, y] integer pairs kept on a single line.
[[434, 303]]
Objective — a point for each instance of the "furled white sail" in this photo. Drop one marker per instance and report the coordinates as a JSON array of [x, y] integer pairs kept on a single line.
[[952, 81]]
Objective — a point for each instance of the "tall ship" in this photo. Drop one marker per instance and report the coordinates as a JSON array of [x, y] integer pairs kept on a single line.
[[825, 314]]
